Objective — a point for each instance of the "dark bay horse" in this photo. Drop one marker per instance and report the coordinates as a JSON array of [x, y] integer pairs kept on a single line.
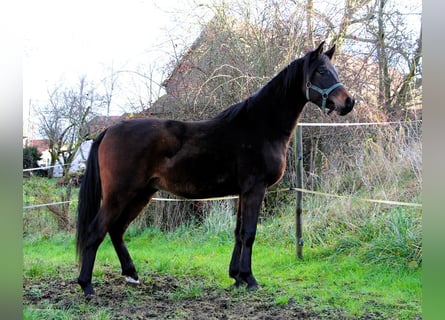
[[241, 151]]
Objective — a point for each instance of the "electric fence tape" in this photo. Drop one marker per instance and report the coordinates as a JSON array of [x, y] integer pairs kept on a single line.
[[388, 202]]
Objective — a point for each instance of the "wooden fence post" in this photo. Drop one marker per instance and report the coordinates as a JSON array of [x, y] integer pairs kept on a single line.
[[299, 184]]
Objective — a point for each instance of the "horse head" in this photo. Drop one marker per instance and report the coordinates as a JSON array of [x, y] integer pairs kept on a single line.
[[322, 85]]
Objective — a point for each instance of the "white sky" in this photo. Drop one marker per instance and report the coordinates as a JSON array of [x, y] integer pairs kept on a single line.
[[65, 39]]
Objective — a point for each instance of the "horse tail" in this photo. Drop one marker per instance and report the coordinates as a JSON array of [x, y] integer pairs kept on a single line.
[[90, 195]]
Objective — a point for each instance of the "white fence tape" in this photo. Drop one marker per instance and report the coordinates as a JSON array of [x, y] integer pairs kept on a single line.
[[48, 204], [45, 168], [350, 197], [356, 124]]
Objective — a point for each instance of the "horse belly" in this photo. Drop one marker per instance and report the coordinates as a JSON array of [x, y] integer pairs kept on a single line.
[[198, 179]]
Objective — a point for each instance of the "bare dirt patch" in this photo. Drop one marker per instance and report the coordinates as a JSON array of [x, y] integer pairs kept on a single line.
[[162, 297]]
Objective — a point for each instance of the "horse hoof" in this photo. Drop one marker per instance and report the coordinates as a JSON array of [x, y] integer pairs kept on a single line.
[[239, 282], [132, 281], [252, 287], [236, 285], [87, 288], [88, 292], [89, 296]]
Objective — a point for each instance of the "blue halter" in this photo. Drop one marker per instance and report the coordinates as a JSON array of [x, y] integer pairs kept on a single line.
[[324, 92]]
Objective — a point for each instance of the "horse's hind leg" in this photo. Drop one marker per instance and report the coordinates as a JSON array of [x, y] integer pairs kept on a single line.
[[109, 212], [117, 230], [128, 268]]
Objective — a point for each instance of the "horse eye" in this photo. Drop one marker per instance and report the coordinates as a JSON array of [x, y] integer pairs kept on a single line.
[[320, 72]]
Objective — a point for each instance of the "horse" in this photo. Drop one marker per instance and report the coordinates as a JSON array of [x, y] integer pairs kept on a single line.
[[241, 151]]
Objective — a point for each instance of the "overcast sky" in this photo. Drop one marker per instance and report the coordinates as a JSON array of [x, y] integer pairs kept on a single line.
[[65, 37]]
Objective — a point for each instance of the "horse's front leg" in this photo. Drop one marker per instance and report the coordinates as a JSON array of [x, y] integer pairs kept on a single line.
[[234, 268], [248, 211]]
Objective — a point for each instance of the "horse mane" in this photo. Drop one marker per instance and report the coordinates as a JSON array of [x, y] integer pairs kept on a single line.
[[233, 111], [280, 85]]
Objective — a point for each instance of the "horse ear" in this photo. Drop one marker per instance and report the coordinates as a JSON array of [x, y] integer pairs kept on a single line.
[[330, 52], [317, 52]]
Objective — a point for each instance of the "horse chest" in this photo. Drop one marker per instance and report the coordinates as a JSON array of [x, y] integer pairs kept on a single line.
[[275, 163]]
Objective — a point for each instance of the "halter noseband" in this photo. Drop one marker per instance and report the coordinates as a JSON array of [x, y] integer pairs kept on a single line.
[[324, 92]]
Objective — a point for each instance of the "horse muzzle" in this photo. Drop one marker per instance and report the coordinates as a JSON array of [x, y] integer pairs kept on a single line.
[[341, 102]]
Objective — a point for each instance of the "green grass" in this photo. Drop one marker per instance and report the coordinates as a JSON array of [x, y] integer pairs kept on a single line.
[[366, 268]]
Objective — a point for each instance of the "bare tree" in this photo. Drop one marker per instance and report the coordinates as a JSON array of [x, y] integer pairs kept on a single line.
[[63, 121], [309, 22], [109, 84], [384, 79], [410, 81], [142, 88], [378, 30]]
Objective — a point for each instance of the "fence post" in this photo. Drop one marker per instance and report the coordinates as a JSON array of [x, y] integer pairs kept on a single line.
[[299, 184]]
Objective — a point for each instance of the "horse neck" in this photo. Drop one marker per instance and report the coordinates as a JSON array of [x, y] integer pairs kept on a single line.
[[282, 99]]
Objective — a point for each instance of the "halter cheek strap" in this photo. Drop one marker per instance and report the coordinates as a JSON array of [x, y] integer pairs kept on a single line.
[[324, 92]]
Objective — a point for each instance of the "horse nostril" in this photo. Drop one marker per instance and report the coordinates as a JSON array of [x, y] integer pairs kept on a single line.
[[349, 103]]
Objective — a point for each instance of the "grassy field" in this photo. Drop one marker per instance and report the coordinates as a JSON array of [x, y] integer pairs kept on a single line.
[[366, 264]]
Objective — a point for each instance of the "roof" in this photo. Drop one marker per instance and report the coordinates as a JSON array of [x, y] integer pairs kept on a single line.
[[100, 123], [40, 144]]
